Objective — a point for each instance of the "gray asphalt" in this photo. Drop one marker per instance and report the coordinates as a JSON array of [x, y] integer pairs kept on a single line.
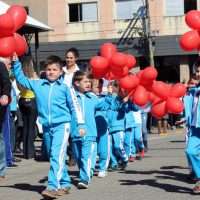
[[162, 174]]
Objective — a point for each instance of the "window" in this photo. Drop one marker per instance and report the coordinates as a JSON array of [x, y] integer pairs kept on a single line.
[[82, 12], [126, 8], [179, 7], [174, 7], [190, 5]]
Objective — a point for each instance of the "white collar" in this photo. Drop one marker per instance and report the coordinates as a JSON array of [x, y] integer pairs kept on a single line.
[[67, 72]]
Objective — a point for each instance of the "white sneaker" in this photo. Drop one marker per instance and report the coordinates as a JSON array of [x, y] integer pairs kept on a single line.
[[102, 174]]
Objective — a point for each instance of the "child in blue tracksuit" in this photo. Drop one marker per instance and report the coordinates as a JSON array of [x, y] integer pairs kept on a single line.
[[137, 145], [187, 118], [130, 129], [193, 144], [103, 138], [56, 105], [83, 145], [116, 118]]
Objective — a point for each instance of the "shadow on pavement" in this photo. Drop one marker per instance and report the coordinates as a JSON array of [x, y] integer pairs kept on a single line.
[[26, 186], [153, 183], [173, 167], [161, 174]]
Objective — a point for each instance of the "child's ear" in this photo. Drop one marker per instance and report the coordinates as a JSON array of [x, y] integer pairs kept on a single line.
[[76, 83]]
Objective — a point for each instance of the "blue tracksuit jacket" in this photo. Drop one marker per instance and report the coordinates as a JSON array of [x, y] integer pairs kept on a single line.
[[54, 101], [89, 104]]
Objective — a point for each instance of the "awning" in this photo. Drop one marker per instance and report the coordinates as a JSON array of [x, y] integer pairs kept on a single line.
[[31, 23]]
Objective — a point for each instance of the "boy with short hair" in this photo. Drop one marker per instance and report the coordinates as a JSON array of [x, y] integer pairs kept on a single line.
[[84, 144], [55, 108]]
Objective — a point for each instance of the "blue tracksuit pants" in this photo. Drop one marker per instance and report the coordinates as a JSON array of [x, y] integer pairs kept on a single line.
[[137, 142], [56, 143], [6, 129], [94, 158], [103, 144], [128, 140], [193, 151], [117, 145], [83, 150]]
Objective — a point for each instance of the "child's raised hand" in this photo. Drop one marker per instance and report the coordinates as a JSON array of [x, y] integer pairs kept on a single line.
[[15, 57], [4, 100], [82, 132], [125, 99]]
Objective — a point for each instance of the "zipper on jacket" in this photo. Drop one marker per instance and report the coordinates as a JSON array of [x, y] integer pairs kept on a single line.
[[49, 102]]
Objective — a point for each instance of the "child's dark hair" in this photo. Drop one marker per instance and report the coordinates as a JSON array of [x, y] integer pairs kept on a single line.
[[101, 81], [115, 84], [78, 76], [74, 51], [54, 60]]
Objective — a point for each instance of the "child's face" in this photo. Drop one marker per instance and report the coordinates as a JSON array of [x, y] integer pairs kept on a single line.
[[192, 83], [84, 85], [110, 89], [53, 72], [198, 73], [115, 89], [96, 87]]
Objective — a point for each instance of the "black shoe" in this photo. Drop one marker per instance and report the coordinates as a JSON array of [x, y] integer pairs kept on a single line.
[[146, 149], [18, 150], [12, 165], [113, 168], [16, 160], [123, 165]]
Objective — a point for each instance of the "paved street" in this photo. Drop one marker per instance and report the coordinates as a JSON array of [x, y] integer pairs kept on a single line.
[[161, 175]]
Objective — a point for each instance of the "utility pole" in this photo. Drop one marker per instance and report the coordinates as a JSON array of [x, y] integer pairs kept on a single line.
[[149, 36]]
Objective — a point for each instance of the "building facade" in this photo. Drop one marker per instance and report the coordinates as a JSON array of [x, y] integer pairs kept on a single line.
[[86, 24]]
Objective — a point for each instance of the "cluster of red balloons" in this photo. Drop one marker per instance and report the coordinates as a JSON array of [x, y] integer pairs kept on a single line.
[[190, 40], [10, 41], [111, 64], [142, 87]]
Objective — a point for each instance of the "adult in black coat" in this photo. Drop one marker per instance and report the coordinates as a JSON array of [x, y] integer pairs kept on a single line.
[[5, 89]]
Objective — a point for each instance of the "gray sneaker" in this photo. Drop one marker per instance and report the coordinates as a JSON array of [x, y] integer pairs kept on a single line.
[[82, 185]]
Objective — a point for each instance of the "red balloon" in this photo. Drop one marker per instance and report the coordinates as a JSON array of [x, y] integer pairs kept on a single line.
[[161, 89], [110, 76], [118, 61], [159, 110], [6, 25], [18, 14], [139, 74], [149, 73], [174, 105], [140, 96], [99, 66], [178, 90], [130, 61], [7, 46], [107, 50], [129, 82], [190, 40], [120, 72], [192, 19], [21, 45], [147, 85]]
